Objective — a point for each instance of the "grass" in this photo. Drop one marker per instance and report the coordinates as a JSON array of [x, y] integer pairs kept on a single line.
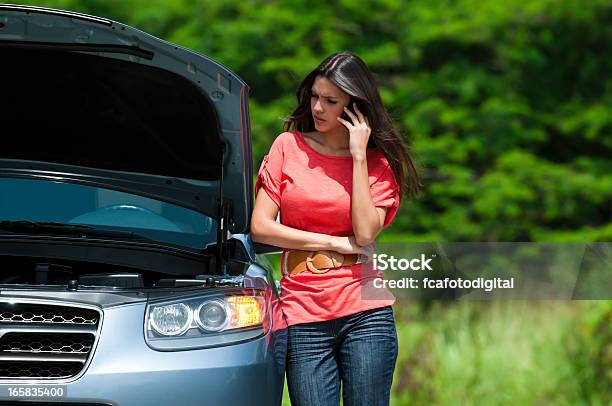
[[500, 353]]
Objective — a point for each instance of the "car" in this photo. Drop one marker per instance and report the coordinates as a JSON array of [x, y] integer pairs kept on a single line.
[[127, 272]]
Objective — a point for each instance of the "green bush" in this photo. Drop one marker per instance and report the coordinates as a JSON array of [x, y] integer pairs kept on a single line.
[[505, 103]]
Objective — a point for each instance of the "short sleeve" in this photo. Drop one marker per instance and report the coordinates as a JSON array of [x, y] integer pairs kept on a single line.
[[385, 193], [269, 175]]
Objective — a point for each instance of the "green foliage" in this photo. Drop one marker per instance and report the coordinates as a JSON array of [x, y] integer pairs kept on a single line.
[[500, 353], [590, 348], [506, 104]]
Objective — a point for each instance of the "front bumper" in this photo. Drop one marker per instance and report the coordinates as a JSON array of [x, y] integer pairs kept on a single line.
[[125, 371]]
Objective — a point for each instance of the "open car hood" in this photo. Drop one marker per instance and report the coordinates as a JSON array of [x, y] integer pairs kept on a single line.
[[92, 101]]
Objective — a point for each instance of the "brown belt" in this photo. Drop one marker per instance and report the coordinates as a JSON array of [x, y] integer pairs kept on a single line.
[[297, 261]]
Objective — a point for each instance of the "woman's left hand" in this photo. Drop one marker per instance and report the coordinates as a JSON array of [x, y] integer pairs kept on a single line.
[[359, 132]]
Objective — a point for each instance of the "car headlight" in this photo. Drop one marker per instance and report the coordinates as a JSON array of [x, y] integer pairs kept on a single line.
[[171, 320], [233, 312], [198, 322], [213, 315]]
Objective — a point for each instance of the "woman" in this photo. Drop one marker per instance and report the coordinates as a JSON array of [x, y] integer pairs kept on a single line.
[[336, 176]]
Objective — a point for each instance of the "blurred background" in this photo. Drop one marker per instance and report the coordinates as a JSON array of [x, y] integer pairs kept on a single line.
[[507, 108]]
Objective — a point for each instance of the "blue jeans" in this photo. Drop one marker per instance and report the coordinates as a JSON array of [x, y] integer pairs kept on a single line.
[[360, 350]]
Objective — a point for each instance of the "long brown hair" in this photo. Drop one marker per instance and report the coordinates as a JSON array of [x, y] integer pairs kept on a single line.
[[352, 75]]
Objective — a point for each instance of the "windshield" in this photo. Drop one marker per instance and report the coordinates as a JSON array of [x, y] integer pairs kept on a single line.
[[48, 201]]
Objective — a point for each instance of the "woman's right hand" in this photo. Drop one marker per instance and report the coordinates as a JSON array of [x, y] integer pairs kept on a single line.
[[348, 245]]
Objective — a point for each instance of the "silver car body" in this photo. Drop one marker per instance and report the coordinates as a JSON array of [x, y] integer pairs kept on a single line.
[[63, 341]]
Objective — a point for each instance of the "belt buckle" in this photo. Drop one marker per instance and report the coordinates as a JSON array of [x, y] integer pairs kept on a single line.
[[322, 261]]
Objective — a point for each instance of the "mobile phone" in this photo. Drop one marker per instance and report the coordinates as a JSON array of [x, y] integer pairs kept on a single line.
[[345, 116]]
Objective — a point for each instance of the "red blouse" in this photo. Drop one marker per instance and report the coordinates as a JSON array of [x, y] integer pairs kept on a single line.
[[313, 192]]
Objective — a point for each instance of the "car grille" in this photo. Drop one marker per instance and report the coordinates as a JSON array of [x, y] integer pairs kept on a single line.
[[45, 341]]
